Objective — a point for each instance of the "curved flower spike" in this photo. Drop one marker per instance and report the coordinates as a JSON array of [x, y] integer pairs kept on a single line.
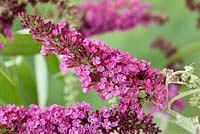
[[109, 71]]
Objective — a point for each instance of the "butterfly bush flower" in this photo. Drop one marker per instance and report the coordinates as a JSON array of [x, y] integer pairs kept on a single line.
[[109, 71], [109, 15], [8, 12], [167, 48], [98, 17], [76, 119]]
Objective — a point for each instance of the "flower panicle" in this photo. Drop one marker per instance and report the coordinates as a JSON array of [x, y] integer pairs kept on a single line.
[[89, 17], [109, 71], [110, 15], [8, 12], [77, 119]]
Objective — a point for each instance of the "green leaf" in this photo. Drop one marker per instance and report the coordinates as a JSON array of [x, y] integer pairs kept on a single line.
[[56, 84], [41, 73], [191, 124], [8, 91], [185, 51], [22, 44], [4, 70], [25, 82], [161, 119]]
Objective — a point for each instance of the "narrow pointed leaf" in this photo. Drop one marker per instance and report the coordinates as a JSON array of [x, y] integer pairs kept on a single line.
[[25, 81], [4, 71], [8, 92], [56, 84]]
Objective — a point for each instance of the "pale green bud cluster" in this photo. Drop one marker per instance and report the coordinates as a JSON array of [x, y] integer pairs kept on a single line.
[[195, 100], [183, 77], [188, 77], [72, 88]]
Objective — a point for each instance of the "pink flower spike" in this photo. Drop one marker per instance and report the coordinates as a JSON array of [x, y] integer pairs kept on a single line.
[[109, 71]]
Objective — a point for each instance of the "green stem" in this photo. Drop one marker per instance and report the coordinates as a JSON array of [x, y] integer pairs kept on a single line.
[[174, 113], [168, 80], [178, 82], [190, 92], [178, 72]]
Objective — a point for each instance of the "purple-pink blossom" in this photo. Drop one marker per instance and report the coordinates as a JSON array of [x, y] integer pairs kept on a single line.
[[98, 17], [8, 12], [110, 15], [109, 71], [75, 119]]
